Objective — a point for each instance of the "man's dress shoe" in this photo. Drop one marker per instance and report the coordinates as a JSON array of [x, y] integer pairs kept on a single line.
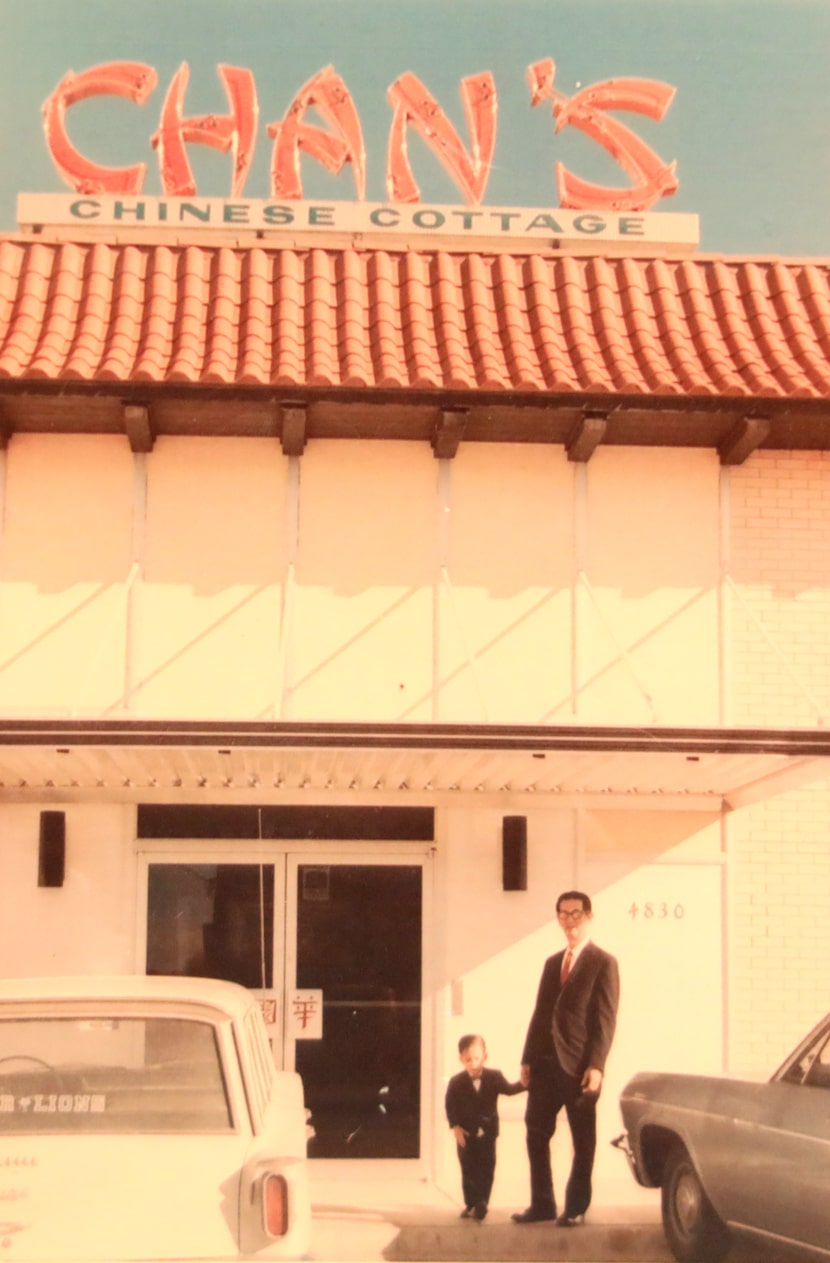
[[532, 1216], [570, 1221]]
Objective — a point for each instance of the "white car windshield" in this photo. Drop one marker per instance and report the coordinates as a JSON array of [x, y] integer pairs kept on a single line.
[[78, 1075]]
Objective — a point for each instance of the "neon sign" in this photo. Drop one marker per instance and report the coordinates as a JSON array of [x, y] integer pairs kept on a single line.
[[341, 140]]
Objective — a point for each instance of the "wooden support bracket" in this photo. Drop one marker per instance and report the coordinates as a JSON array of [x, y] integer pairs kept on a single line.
[[293, 428], [742, 440], [586, 436], [138, 427], [5, 427], [449, 431]]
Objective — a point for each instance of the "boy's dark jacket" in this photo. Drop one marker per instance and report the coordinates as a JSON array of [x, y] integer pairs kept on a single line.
[[478, 1109]]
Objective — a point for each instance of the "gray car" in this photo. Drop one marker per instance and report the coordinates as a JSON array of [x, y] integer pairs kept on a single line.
[[734, 1155]]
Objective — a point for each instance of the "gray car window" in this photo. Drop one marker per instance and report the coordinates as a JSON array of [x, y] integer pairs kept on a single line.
[[818, 1072], [812, 1068]]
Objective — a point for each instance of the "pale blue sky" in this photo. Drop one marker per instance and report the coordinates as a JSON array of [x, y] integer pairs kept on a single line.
[[749, 126]]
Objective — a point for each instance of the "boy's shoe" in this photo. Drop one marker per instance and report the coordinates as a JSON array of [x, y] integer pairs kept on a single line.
[[480, 1211], [466, 1213]]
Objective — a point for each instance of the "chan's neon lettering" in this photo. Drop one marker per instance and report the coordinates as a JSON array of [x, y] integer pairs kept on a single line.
[[341, 140]]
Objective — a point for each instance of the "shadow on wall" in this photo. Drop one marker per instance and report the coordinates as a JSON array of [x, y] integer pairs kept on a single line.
[[656, 884], [598, 851]]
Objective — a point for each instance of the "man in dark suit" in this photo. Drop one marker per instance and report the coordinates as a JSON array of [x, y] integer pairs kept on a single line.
[[472, 1104], [563, 1062]]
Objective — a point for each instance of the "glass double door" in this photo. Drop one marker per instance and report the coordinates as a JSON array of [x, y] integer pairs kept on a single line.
[[333, 949]]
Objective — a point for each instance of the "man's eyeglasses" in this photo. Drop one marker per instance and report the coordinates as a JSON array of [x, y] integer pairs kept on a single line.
[[576, 915]]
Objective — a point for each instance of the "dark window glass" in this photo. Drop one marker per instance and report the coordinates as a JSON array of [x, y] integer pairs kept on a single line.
[[359, 940], [165, 820], [212, 921]]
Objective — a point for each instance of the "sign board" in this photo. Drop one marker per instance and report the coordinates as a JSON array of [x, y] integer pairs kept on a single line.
[[305, 1014], [365, 220]]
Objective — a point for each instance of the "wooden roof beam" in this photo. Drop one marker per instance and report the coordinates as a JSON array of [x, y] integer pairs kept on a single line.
[[586, 436], [293, 428], [449, 431], [743, 439], [138, 427]]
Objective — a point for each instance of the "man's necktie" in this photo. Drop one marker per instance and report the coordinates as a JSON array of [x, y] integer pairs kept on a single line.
[[566, 968]]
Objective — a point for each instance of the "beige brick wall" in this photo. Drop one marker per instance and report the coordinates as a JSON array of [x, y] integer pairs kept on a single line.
[[779, 898], [779, 674], [780, 607]]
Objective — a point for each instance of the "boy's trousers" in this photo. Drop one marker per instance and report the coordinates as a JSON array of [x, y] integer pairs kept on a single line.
[[478, 1167]]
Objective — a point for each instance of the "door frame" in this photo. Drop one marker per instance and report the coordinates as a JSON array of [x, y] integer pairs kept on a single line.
[[286, 855]]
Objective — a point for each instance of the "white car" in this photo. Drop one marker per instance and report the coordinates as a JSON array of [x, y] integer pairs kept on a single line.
[[143, 1118]]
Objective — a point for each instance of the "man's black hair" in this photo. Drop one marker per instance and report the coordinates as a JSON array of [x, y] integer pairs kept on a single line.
[[574, 894]]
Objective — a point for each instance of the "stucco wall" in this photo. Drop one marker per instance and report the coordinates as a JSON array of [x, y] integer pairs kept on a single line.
[[215, 578], [213, 556], [485, 948], [657, 883], [86, 926], [65, 557], [647, 601], [360, 626]]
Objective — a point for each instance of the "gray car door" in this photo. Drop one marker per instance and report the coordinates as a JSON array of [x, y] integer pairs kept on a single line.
[[784, 1138]]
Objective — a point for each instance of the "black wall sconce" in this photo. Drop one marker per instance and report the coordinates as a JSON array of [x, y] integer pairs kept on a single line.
[[514, 853], [51, 857]]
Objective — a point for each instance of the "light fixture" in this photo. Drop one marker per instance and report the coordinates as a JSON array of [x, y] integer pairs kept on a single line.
[[514, 853]]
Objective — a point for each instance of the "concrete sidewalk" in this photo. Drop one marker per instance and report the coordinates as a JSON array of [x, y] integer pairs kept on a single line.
[[404, 1220], [360, 1221]]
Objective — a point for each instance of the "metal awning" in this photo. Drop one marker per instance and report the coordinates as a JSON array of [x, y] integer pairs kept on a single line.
[[43, 761]]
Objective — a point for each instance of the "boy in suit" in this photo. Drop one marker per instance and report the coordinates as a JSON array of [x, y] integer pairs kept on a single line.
[[472, 1110], [563, 1062]]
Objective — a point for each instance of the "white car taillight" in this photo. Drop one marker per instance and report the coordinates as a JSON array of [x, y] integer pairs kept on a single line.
[[275, 1205]]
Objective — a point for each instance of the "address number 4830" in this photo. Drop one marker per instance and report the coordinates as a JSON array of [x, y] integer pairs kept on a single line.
[[657, 911]]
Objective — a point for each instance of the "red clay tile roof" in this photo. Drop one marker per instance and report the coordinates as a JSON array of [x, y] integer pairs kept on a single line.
[[416, 321]]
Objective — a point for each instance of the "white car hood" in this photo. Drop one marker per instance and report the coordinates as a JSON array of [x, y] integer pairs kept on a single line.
[[119, 1197]]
